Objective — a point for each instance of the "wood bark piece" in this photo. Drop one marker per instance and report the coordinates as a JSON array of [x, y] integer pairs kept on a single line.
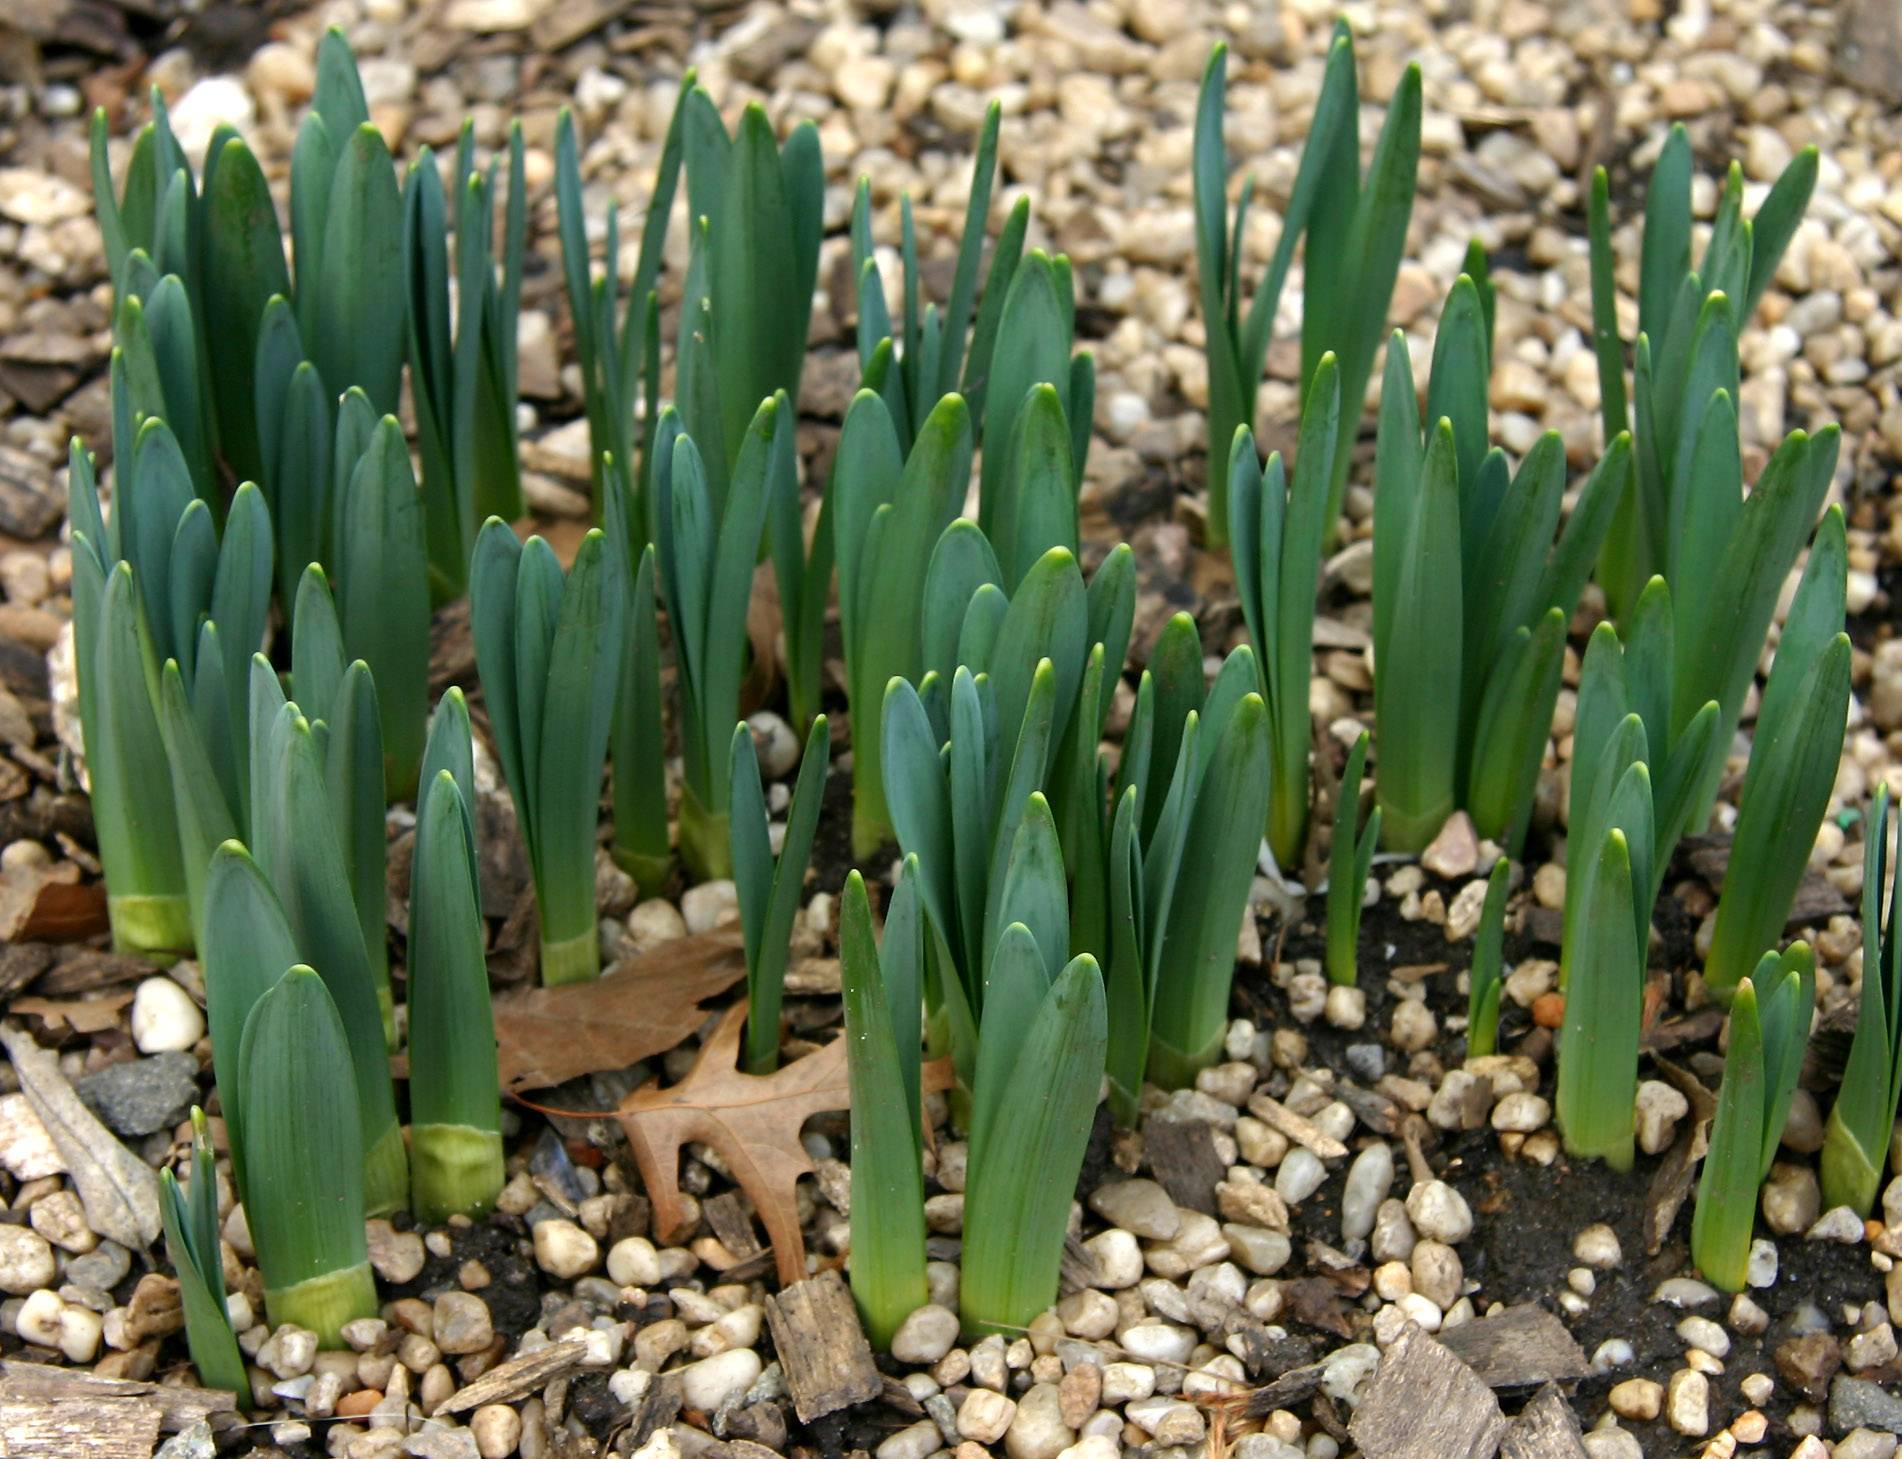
[[1545, 1429], [519, 1377], [636, 1009], [1373, 1109], [1424, 1403], [178, 1406], [119, 1190], [1297, 1385], [1671, 1183], [822, 1347], [1182, 1155], [1518, 1348], [1298, 1128], [733, 1228], [753, 1122], [111, 1428]]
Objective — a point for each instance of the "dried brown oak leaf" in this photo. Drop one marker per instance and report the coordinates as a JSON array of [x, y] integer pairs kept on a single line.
[[642, 1007], [752, 1121], [50, 904]]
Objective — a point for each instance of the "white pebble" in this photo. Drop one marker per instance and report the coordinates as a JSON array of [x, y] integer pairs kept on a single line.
[[1439, 1212], [709, 1383], [563, 1249], [926, 1335], [1369, 1179], [633, 1262], [1300, 1176], [164, 1018]]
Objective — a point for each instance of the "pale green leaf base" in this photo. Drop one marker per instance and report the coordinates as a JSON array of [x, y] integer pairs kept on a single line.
[[650, 872], [1411, 832], [455, 1170], [1616, 1150], [1288, 825], [386, 1174], [324, 1304], [1343, 947], [1850, 1177], [571, 960], [1173, 1068], [703, 840], [142, 924]]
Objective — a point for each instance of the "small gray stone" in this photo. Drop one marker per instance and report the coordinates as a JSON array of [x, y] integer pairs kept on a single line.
[[1856, 1403], [195, 1442], [142, 1096], [462, 1323], [1367, 1062], [1139, 1206], [437, 1442], [103, 1268]]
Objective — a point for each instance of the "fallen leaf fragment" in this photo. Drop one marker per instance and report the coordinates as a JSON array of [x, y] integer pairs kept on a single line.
[[118, 1190], [752, 1121], [639, 1008], [50, 904], [81, 1015]]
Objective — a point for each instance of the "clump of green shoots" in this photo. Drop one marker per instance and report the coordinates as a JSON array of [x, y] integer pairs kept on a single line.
[[1484, 980], [1275, 534], [548, 649], [192, 1246], [1685, 375], [304, 1160], [769, 886], [1177, 856], [620, 359], [1041, 1044], [455, 1116], [1856, 1140], [1472, 594], [1794, 758], [883, 986], [1350, 859], [1356, 231], [1769, 1026], [709, 544]]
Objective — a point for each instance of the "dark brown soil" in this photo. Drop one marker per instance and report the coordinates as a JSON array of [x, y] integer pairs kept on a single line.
[[1527, 1215]]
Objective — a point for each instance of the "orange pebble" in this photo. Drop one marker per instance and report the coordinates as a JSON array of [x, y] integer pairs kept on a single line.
[[1548, 1010], [358, 1404]]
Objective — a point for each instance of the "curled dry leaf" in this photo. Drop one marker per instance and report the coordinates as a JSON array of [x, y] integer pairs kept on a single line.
[[119, 1190], [50, 904], [636, 1009], [81, 1015], [1671, 1182], [753, 1122]]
